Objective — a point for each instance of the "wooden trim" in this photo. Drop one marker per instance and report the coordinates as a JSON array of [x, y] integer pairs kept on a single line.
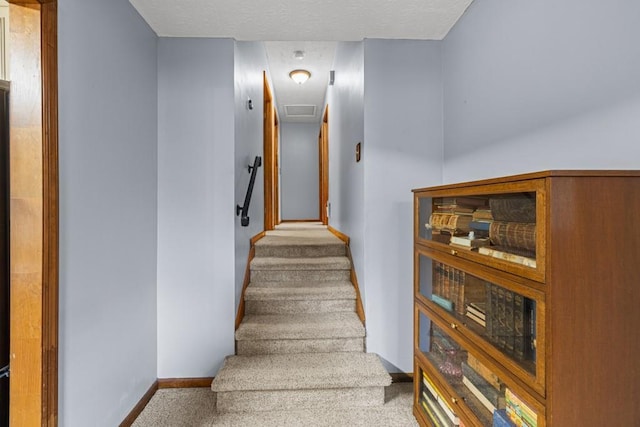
[[34, 202], [299, 220], [247, 277], [338, 234], [401, 377], [535, 175], [323, 167], [184, 382], [50, 303], [137, 410], [354, 278], [269, 156]]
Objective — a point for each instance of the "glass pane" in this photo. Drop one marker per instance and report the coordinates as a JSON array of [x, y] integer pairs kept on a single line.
[[435, 405], [424, 212], [480, 388], [502, 317], [502, 226]]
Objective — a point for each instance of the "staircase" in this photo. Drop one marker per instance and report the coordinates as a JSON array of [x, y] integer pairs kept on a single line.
[[300, 344]]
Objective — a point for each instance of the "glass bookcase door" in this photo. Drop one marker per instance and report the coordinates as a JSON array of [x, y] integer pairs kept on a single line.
[[502, 229], [502, 318], [472, 385]]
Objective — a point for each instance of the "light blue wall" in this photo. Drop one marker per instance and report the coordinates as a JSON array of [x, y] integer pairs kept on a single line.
[[250, 62], [542, 85], [196, 206], [299, 168], [108, 183], [402, 150], [346, 128]]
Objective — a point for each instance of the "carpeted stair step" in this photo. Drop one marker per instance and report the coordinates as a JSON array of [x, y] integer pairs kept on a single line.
[[300, 333], [299, 297], [295, 381], [268, 269], [300, 246]]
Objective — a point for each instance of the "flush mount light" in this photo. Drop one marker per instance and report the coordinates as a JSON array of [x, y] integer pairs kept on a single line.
[[299, 76]]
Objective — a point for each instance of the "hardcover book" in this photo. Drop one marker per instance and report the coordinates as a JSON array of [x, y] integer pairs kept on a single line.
[[513, 234], [493, 395], [514, 208], [507, 256], [501, 419], [484, 372]]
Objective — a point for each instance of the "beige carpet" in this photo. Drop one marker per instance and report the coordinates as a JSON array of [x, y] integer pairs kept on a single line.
[[196, 407]]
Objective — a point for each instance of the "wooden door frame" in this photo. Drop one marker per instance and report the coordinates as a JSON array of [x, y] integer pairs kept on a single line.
[[270, 151], [34, 286], [323, 167]]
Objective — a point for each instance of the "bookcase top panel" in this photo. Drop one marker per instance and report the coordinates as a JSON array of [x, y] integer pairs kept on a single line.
[[535, 175]]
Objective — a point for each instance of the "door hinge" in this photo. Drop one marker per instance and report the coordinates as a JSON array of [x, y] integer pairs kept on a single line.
[[4, 372]]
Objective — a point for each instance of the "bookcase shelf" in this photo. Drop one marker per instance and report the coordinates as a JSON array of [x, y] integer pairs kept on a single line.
[[528, 283]]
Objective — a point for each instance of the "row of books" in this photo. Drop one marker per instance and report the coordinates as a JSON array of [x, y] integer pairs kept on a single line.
[[493, 395], [508, 318], [452, 288], [436, 406], [510, 322], [502, 226], [487, 389]]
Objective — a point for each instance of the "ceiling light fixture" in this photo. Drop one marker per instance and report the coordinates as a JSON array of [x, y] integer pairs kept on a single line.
[[298, 54], [299, 76]]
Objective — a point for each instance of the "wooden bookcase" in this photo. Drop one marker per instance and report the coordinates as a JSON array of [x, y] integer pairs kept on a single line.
[[554, 327]]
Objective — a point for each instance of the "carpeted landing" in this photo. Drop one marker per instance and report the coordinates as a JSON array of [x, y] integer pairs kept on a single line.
[[196, 407]]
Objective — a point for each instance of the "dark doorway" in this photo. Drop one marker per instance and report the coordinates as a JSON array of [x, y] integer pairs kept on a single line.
[[4, 252]]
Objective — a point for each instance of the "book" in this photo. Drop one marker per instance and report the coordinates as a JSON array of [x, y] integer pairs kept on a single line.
[[482, 214], [478, 320], [513, 234], [474, 291], [501, 327], [432, 413], [480, 225], [484, 372], [493, 395], [501, 419], [431, 391], [468, 242], [481, 398], [506, 256], [514, 207], [478, 309], [520, 408], [509, 322], [442, 302], [522, 319], [469, 201], [439, 236]]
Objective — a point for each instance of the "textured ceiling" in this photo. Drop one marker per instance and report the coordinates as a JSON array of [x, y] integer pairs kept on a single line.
[[281, 20], [311, 26]]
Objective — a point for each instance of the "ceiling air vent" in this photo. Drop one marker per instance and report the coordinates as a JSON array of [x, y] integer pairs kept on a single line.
[[292, 111]]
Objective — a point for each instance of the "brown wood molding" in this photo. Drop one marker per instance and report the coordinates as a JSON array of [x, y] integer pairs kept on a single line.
[[137, 410], [284, 221], [34, 207], [354, 278], [338, 234], [50, 303], [247, 277], [323, 169], [202, 382], [401, 377]]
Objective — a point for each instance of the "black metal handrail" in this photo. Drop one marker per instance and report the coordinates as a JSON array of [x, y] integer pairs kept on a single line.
[[244, 210]]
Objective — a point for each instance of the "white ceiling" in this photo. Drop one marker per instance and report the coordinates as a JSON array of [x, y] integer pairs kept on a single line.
[[318, 58], [295, 21]]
